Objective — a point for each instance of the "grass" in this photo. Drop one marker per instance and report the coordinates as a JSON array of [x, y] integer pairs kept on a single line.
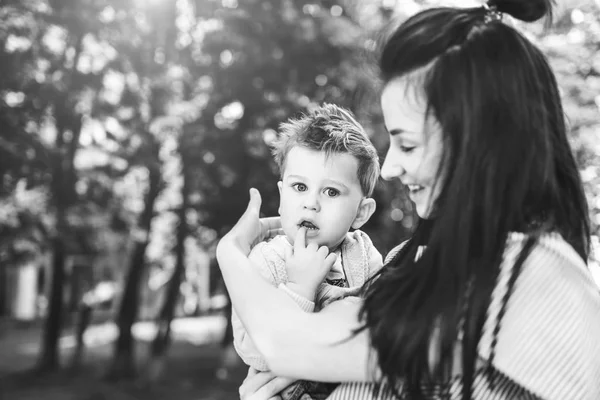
[[190, 373]]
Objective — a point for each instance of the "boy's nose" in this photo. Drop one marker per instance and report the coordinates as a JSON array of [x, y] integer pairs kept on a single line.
[[311, 202]]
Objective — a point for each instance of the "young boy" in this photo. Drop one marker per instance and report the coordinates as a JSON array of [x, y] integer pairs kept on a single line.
[[329, 169]]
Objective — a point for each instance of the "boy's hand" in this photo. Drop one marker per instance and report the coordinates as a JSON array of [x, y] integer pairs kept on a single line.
[[307, 265]]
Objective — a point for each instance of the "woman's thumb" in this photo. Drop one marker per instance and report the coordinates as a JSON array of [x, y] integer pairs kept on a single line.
[[255, 202]]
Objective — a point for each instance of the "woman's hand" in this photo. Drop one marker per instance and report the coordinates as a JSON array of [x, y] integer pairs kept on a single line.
[[250, 229], [307, 265], [263, 386]]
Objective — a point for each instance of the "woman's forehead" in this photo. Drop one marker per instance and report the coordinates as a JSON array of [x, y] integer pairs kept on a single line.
[[403, 105], [406, 90]]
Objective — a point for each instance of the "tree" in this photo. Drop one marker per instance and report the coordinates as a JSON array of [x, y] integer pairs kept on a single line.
[[161, 342], [51, 90], [151, 65]]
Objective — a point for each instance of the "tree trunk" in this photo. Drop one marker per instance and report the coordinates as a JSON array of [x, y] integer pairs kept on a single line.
[[123, 365], [49, 356], [84, 317], [3, 290], [63, 195], [162, 340]]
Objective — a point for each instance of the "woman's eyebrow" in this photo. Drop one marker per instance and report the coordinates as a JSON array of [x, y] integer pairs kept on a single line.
[[397, 131], [405, 134]]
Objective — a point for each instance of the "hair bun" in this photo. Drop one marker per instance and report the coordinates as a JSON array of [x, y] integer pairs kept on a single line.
[[524, 10]]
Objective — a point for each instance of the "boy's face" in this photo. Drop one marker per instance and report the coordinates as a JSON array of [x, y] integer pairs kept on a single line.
[[321, 193]]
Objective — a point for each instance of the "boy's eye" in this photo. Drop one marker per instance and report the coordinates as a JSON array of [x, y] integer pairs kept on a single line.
[[301, 187], [332, 192], [407, 149]]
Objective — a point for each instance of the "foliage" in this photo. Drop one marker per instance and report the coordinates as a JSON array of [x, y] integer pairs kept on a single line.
[[119, 94], [23, 232], [573, 49]]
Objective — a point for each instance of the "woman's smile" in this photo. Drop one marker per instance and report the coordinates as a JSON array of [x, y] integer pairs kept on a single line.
[[416, 145]]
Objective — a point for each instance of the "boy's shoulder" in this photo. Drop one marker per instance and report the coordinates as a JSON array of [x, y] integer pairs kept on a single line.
[[271, 250], [360, 257], [269, 257], [358, 237]]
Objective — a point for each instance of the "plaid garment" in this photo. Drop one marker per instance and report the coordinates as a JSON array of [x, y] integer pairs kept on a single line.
[[308, 390]]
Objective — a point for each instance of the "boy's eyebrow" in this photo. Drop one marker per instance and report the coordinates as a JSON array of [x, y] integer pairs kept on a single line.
[[295, 177], [332, 181], [328, 181]]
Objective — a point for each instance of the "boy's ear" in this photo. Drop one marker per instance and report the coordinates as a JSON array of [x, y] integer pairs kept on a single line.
[[365, 211], [280, 187]]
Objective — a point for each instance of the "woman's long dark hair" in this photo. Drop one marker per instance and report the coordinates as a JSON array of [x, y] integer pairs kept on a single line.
[[509, 168]]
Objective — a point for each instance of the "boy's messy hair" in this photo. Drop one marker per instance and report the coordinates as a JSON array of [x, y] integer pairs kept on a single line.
[[331, 129]]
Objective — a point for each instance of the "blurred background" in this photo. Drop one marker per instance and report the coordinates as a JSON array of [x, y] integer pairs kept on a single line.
[[130, 133]]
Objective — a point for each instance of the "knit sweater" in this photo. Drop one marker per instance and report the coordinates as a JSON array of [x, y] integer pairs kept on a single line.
[[545, 346], [357, 260]]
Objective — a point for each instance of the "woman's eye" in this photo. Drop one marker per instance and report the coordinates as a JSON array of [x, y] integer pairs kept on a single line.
[[407, 149], [301, 187], [332, 192]]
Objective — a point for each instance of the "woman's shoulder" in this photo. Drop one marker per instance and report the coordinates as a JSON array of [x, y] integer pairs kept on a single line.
[[550, 245], [542, 330], [552, 264]]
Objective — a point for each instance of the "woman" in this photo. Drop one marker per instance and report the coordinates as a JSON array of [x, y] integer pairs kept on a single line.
[[491, 298]]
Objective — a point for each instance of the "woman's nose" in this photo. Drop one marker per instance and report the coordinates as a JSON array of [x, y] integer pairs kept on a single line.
[[391, 168]]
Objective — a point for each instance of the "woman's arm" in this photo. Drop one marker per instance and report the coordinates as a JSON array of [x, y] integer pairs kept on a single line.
[[242, 342], [294, 343]]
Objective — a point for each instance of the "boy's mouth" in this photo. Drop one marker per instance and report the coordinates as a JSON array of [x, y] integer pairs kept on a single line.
[[308, 225]]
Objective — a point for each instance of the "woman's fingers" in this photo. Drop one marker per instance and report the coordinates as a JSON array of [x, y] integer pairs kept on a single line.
[[262, 386], [271, 223], [253, 382], [271, 227], [271, 389], [275, 232]]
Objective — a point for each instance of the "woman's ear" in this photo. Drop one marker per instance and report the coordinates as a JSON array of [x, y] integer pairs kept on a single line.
[[365, 211]]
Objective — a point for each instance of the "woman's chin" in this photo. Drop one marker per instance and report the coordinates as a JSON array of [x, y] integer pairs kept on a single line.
[[424, 212]]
